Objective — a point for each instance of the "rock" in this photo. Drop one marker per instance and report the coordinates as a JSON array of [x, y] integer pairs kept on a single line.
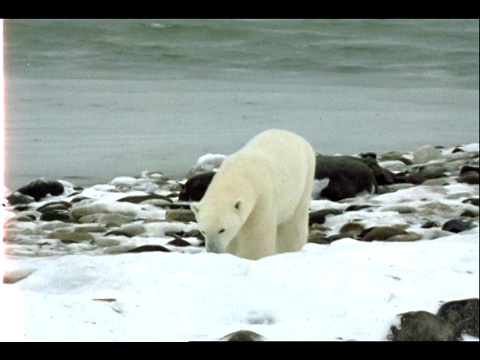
[[179, 242], [52, 215], [90, 228], [425, 154], [317, 237], [394, 165], [395, 156], [180, 215], [381, 233], [23, 218], [470, 177], [54, 205], [457, 225], [410, 178], [469, 213], [206, 163], [14, 276], [430, 224], [463, 314], [148, 248], [352, 228], [348, 176], [38, 189], [382, 175], [424, 326], [405, 237], [467, 168], [17, 198], [243, 335], [401, 209], [356, 207], [196, 186], [125, 209], [69, 236], [109, 220], [129, 230], [140, 198], [473, 201], [318, 217], [336, 237], [108, 242]]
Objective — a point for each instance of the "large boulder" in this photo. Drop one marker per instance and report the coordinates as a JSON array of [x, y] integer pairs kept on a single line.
[[38, 189], [196, 186], [347, 176]]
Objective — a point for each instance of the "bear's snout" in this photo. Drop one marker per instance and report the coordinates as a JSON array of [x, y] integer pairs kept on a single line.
[[214, 246]]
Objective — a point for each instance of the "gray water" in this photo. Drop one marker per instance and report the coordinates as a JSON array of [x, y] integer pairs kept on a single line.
[[89, 100]]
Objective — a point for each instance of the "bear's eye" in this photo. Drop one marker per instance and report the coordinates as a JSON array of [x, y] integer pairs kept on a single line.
[[221, 231]]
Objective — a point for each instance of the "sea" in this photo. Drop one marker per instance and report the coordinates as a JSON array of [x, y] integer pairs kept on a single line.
[[88, 100]]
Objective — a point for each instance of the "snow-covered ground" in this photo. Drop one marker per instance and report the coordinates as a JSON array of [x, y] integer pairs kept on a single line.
[[347, 290]]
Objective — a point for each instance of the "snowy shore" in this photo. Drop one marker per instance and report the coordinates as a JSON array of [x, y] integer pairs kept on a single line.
[[88, 287]]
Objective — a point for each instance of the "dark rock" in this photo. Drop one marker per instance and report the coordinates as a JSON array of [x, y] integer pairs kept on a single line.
[[178, 241], [457, 225], [352, 228], [53, 215], [136, 199], [424, 326], [355, 207], [196, 186], [79, 198], [463, 314], [347, 176], [382, 176], [469, 213], [336, 237], [38, 189], [430, 224], [196, 234], [381, 233], [17, 198], [243, 335], [318, 217], [467, 168], [23, 218], [317, 237], [368, 154], [473, 201], [470, 177], [148, 248], [414, 178], [55, 205]]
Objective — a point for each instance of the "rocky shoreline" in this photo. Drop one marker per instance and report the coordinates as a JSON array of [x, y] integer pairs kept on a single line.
[[425, 194]]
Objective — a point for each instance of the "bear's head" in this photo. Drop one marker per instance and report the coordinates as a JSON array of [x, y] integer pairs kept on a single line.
[[219, 222]]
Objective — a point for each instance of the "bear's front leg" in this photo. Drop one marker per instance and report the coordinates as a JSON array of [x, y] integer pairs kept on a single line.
[[256, 238]]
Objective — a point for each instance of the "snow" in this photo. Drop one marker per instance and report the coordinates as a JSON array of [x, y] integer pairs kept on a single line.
[[348, 290]]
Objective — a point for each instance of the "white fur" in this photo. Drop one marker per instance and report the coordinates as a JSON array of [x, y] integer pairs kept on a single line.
[[257, 203]]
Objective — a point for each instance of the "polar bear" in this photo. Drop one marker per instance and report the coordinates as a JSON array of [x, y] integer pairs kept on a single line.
[[257, 203]]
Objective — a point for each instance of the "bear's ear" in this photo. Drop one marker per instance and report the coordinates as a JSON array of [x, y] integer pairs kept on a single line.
[[194, 207], [238, 204]]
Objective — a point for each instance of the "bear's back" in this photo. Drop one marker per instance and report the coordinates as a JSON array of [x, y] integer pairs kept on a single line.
[[275, 161]]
